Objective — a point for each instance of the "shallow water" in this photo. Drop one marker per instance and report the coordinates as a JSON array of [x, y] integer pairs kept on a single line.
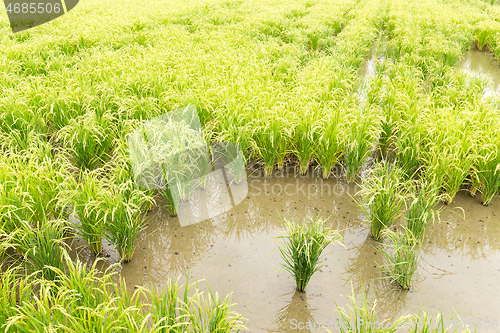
[[235, 253], [483, 64]]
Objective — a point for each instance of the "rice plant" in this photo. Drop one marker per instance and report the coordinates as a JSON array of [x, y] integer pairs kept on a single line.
[[359, 144], [211, 313], [421, 210], [488, 171], [124, 217], [271, 143], [402, 257], [42, 247], [305, 144], [85, 197], [303, 247], [361, 319], [88, 139], [422, 323], [329, 141], [383, 191]]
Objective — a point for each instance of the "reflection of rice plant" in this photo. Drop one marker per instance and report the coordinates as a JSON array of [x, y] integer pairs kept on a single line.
[[384, 196], [85, 198], [328, 137], [402, 257], [303, 247], [361, 319], [124, 218]]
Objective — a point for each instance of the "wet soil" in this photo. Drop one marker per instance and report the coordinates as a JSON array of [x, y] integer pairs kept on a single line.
[[235, 252]]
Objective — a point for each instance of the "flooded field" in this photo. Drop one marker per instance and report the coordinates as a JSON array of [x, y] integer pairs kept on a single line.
[[235, 253], [483, 64]]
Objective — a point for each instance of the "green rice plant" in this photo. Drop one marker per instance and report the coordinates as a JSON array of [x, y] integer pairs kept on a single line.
[[408, 148], [303, 246], [488, 171], [168, 309], [328, 136], [124, 217], [85, 198], [361, 319], [211, 313], [359, 142], [422, 323], [305, 144], [271, 143], [42, 246], [88, 139], [421, 210], [383, 191], [458, 170], [14, 291], [402, 257]]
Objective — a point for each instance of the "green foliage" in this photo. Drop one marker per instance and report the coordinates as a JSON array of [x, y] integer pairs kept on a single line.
[[303, 246], [383, 191]]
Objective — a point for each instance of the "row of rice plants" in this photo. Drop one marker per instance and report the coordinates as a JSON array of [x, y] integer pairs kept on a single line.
[[71, 297]]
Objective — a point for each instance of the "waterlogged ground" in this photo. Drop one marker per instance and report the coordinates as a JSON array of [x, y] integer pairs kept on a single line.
[[235, 253]]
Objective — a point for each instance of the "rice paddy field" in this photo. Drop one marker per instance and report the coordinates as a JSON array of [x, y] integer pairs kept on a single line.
[[370, 136]]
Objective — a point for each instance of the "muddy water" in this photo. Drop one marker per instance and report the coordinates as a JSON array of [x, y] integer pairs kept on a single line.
[[235, 253], [483, 64]]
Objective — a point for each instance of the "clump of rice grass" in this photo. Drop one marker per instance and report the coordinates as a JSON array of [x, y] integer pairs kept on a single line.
[[89, 139], [402, 257], [124, 217], [358, 144], [271, 143], [421, 209], [305, 144], [361, 319], [303, 246], [488, 172], [85, 197], [422, 323], [42, 246], [329, 140], [383, 191]]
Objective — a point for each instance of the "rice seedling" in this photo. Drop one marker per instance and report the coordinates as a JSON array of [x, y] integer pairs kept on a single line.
[[359, 142], [402, 257], [383, 191], [361, 319], [329, 141], [303, 247], [124, 217]]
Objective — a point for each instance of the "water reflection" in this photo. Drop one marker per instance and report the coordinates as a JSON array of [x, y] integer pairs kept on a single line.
[[296, 315], [484, 65]]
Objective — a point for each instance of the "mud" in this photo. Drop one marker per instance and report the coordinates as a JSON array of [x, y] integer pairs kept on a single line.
[[235, 252], [483, 64]]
